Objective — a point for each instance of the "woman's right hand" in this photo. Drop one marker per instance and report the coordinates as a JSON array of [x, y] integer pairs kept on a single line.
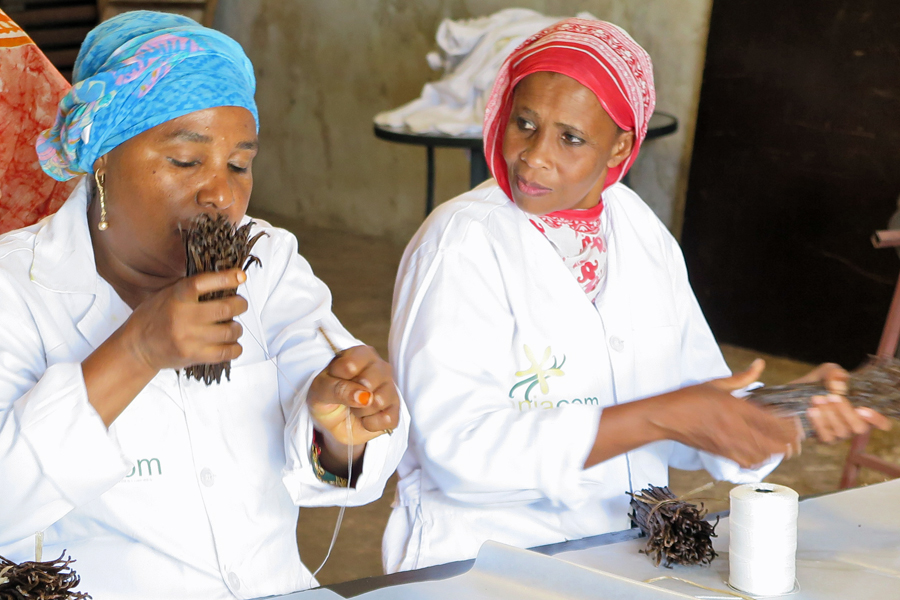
[[707, 417], [173, 329]]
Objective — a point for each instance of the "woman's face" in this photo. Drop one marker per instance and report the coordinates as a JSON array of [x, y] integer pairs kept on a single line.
[[559, 144], [162, 178]]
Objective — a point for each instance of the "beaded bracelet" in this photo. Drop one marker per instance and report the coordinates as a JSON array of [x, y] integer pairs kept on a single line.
[[315, 450]]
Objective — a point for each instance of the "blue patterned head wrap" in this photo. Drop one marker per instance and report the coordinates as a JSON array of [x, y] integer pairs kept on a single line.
[[134, 72]]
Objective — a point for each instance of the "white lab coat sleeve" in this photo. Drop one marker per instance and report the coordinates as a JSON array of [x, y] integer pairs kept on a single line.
[[55, 451], [701, 360], [296, 303], [450, 346]]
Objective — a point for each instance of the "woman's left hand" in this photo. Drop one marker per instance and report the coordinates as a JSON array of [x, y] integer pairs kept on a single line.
[[357, 380], [832, 416]]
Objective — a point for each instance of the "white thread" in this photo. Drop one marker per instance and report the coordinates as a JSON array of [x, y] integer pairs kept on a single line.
[[340, 519], [349, 425], [38, 546], [734, 593], [763, 545]]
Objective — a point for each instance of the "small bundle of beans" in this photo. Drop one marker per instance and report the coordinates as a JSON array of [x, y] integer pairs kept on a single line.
[[875, 385], [675, 529], [214, 244], [32, 580]]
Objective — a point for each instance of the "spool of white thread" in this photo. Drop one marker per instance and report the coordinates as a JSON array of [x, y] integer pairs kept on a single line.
[[763, 546]]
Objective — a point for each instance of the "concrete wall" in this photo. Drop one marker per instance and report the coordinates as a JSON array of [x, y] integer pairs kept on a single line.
[[326, 67]]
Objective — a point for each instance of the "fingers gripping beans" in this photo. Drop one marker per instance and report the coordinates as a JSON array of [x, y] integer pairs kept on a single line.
[[875, 385], [214, 244]]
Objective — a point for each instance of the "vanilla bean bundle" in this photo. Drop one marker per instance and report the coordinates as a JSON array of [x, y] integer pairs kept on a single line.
[[675, 529], [49, 580], [214, 244], [875, 385]]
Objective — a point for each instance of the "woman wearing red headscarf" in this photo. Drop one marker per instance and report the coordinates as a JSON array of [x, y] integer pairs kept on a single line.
[[545, 334]]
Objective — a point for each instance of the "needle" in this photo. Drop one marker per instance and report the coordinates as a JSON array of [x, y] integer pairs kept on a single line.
[[328, 339]]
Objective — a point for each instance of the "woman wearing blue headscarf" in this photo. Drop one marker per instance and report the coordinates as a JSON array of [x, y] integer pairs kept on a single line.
[[158, 485]]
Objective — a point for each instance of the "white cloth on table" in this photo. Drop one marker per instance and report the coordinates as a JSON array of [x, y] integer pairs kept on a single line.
[[473, 51], [192, 492], [484, 310]]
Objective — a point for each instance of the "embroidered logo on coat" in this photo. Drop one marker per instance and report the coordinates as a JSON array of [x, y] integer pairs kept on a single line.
[[143, 470], [536, 374]]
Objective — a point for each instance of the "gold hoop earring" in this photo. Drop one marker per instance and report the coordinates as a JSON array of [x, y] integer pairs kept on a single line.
[[100, 180]]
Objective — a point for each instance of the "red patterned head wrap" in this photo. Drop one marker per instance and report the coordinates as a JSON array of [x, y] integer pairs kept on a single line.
[[596, 54]]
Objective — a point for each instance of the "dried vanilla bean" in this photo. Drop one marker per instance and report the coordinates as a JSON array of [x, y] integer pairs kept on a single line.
[[875, 385], [48, 580], [214, 244], [675, 529]]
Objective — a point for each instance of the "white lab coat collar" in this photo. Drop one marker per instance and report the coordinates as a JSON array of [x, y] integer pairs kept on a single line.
[[62, 248], [614, 309], [63, 255]]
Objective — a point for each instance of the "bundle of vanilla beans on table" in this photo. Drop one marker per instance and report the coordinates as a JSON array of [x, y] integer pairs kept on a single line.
[[675, 529], [33, 580], [875, 385], [214, 244]]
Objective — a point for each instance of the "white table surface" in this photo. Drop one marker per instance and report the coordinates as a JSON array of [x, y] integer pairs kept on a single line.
[[848, 548]]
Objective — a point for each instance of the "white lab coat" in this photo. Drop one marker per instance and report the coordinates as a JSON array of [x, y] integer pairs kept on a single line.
[[192, 491], [479, 287]]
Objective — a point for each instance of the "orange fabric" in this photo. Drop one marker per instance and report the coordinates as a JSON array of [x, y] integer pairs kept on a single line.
[[11, 35], [30, 89]]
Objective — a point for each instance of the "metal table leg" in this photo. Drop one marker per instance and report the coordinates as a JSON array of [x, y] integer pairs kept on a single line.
[[429, 189], [478, 169]]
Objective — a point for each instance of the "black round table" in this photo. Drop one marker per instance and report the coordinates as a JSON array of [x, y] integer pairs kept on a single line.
[[661, 125]]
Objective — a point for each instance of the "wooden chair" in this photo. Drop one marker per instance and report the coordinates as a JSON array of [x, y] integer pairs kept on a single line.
[[887, 348], [201, 11]]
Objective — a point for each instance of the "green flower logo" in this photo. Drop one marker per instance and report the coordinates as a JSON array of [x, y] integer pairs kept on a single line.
[[536, 374]]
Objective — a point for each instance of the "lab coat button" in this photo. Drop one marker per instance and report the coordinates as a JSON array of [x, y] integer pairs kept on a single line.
[[234, 580], [616, 343], [207, 477]]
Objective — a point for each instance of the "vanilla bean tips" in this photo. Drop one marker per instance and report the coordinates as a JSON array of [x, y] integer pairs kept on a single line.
[[676, 530], [875, 385], [48, 580], [213, 244]]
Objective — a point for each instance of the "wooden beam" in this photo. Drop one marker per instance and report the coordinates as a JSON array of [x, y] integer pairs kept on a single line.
[[68, 15], [59, 37], [167, 3], [62, 58]]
